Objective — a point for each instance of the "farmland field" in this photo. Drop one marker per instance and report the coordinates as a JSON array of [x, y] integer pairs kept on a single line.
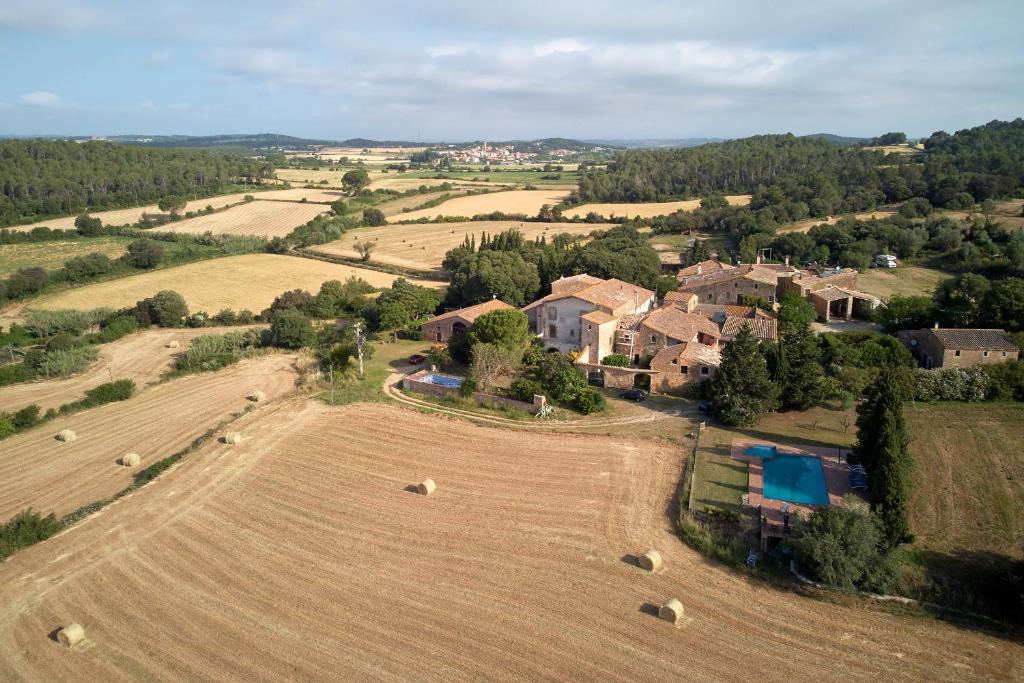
[[54, 254], [304, 176], [141, 357], [422, 246], [905, 281], [290, 557], [37, 470], [258, 218], [806, 224], [507, 176], [399, 206], [297, 194], [134, 215], [646, 209], [528, 202], [250, 281]]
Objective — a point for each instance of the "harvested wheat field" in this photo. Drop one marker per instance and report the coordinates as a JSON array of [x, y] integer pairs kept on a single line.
[[305, 176], [134, 215], [405, 206], [260, 219], [40, 472], [422, 246], [249, 281], [646, 209], [528, 202], [807, 224], [140, 357], [297, 194], [302, 554]]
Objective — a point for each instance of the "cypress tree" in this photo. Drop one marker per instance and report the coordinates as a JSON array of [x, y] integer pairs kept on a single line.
[[882, 440], [742, 389], [803, 378]]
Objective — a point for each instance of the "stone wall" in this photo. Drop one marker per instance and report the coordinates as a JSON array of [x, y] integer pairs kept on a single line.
[[413, 383]]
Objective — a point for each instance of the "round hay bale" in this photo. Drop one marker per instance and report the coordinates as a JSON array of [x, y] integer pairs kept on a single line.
[[172, 344], [257, 396], [426, 487], [651, 561], [71, 635], [233, 437], [66, 435], [130, 459], [671, 610]]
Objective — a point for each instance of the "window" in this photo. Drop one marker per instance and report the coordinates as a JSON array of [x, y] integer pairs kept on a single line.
[[684, 369], [958, 352], [755, 285], [735, 285], [771, 299], [985, 354], [675, 361], [704, 371], [654, 338], [1004, 354], [552, 313], [552, 331]]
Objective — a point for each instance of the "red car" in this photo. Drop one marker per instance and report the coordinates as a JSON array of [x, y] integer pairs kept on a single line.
[[417, 359]]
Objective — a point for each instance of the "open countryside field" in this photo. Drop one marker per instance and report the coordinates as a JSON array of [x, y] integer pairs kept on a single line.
[[298, 194], [806, 225], [287, 558], [134, 215], [507, 175], [257, 218], [54, 254], [646, 209], [250, 281], [968, 477], [422, 246], [406, 205], [306, 176], [40, 472], [905, 281], [141, 357], [528, 202]]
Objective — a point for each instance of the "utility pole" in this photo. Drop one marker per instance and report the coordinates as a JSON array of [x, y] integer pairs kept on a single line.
[[330, 369]]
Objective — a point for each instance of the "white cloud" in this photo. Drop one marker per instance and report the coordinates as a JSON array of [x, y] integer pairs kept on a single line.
[[179, 106], [41, 99], [35, 15], [560, 46]]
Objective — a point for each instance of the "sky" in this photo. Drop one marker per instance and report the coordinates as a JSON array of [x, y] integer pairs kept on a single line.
[[453, 71]]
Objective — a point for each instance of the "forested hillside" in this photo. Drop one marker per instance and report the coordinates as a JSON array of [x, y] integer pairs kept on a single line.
[[44, 178], [957, 171]]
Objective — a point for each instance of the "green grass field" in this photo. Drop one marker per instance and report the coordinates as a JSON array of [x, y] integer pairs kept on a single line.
[[905, 281], [52, 255]]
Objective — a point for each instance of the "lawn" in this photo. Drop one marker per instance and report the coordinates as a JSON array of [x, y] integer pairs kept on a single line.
[[905, 281], [387, 357]]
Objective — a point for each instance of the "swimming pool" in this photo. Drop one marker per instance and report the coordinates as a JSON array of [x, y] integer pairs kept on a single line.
[[795, 479], [443, 380], [761, 450]]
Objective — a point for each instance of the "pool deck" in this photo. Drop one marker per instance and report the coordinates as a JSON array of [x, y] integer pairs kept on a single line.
[[774, 511]]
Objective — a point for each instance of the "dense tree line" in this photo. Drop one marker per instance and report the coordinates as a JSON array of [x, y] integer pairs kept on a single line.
[[44, 178], [958, 170]]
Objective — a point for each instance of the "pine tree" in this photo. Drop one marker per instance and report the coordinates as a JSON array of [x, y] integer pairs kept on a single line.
[[882, 441], [742, 389], [803, 372]]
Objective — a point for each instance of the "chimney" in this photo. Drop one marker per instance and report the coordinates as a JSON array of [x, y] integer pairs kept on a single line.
[[936, 326], [700, 269], [758, 259], [786, 260]]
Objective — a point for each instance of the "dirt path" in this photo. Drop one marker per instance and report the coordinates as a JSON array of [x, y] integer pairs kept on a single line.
[[299, 555], [40, 472], [140, 357]]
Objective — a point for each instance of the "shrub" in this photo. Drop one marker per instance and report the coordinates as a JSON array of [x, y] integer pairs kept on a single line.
[[62, 363], [144, 254], [63, 342], [49, 323], [214, 351], [618, 360], [952, 384], [1007, 380], [27, 417], [290, 329], [839, 547], [24, 529], [117, 327], [166, 309], [88, 226], [467, 388], [7, 427], [523, 389], [118, 390], [589, 400], [374, 217], [440, 358]]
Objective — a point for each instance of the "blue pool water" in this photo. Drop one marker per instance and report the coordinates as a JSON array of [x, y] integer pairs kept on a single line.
[[443, 380], [796, 479], [761, 451]]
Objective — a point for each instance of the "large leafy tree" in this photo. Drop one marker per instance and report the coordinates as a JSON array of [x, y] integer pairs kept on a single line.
[[742, 389], [355, 180], [882, 440], [487, 274], [839, 546], [1003, 305], [804, 377], [507, 328]]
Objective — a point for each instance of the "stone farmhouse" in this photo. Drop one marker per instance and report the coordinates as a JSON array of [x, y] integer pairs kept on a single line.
[[939, 347], [832, 291], [441, 328]]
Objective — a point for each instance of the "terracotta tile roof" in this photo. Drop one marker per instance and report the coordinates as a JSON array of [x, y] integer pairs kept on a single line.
[[714, 311], [974, 340], [747, 271], [760, 327], [630, 322], [574, 283], [689, 350], [471, 313], [705, 268], [678, 324], [610, 294], [832, 293], [680, 296], [598, 317]]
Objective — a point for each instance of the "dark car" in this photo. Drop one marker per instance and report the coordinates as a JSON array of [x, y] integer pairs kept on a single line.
[[704, 407], [634, 395], [417, 359]]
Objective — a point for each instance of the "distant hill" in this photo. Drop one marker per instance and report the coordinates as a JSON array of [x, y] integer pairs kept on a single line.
[[539, 146], [655, 143]]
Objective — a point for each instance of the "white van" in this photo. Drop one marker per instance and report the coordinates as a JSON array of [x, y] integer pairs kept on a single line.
[[885, 261]]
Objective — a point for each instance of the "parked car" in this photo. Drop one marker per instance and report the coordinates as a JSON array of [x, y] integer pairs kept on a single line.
[[885, 261], [417, 359], [704, 407], [634, 395]]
